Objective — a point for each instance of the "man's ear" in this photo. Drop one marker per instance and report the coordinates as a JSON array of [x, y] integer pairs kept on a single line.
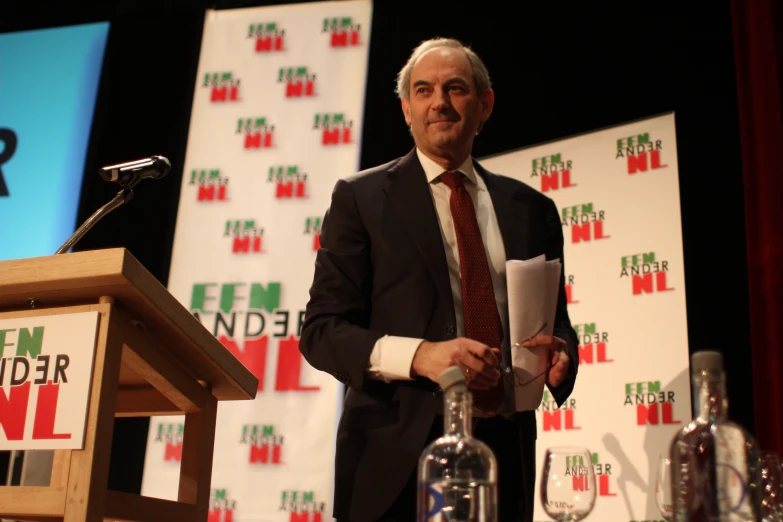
[[487, 102], [406, 110]]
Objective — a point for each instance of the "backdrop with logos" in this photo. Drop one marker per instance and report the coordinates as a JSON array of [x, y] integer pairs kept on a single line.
[[618, 194], [275, 123]]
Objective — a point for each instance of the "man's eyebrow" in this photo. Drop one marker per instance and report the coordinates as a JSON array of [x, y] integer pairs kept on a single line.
[[457, 79], [418, 83]]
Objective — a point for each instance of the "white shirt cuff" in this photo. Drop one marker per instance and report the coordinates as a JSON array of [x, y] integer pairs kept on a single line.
[[391, 358]]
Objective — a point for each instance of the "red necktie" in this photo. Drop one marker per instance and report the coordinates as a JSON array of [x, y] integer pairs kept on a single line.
[[482, 321]]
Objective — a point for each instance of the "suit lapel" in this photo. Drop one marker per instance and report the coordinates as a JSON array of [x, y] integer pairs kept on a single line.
[[409, 193], [511, 214]]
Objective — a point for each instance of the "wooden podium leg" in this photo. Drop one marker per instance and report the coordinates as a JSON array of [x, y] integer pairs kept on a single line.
[[197, 451], [88, 474]]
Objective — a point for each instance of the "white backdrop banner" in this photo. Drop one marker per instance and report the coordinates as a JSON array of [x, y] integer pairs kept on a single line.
[[276, 122], [618, 195]]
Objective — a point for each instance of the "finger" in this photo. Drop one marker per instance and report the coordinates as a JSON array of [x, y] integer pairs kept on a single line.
[[479, 370], [545, 341], [558, 372], [537, 341], [485, 353]]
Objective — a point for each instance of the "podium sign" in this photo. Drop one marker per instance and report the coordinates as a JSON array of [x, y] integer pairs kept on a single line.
[[45, 374]]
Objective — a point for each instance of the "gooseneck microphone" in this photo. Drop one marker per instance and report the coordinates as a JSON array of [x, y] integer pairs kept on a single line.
[[154, 167], [127, 175]]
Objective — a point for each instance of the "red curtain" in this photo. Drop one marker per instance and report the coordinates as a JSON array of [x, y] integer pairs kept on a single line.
[[758, 52]]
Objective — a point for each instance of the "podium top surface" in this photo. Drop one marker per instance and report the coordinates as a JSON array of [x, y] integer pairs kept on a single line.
[[83, 277]]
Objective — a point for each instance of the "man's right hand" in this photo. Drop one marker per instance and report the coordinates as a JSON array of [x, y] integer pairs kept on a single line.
[[478, 361]]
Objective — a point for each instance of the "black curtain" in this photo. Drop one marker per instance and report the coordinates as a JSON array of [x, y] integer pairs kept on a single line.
[[558, 70]]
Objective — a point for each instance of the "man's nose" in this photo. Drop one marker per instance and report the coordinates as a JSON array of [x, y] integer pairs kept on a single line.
[[440, 99]]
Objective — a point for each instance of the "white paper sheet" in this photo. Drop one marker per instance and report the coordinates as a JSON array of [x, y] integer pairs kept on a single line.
[[532, 303]]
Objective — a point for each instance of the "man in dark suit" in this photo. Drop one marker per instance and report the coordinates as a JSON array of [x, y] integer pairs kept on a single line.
[[410, 279]]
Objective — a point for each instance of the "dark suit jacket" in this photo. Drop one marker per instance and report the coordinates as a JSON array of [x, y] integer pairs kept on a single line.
[[381, 270]]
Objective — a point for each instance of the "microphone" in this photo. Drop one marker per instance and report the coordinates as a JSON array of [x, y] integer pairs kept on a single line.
[[132, 172], [128, 175]]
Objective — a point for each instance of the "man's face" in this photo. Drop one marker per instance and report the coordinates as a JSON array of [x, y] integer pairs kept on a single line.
[[444, 111]]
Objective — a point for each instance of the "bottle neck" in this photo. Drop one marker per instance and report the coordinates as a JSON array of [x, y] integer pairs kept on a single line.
[[710, 401], [456, 412]]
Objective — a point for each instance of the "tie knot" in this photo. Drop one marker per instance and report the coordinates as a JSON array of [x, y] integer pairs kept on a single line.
[[452, 179]]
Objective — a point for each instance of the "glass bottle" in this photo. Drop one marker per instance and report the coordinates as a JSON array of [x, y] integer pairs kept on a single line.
[[457, 478], [714, 462]]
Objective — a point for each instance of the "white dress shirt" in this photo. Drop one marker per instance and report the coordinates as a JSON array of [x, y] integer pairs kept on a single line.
[[392, 356]]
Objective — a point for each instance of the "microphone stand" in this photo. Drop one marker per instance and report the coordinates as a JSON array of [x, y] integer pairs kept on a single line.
[[122, 197]]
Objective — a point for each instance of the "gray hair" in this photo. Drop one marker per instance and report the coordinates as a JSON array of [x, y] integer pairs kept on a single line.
[[480, 73]]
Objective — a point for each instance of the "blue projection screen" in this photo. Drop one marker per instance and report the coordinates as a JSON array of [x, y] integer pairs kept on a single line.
[[48, 85]]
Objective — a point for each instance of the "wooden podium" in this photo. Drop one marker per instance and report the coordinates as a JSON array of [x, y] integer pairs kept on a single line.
[[152, 357]]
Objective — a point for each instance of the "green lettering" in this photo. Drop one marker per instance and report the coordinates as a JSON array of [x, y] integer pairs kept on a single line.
[[30, 343], [3, 344], [228, 296], [199, 296], [261, 297], [654, 386]]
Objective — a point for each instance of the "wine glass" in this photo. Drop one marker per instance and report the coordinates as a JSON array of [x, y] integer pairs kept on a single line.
[[771, 487], [568, 484], [663, 488]]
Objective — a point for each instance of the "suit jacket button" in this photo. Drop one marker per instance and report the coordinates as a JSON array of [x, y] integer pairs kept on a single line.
[[450, 330]]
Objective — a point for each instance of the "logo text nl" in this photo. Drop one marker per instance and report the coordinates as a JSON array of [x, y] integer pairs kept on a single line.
[[344, 32], [259, 133], [268, 37], [265, 445], [640, 152], [211, 185], [654, 406], [22, 370], [335, 128], [555, 173], [243, 317], [647, 273], [586, 222], [246, 236], [223, 86], [289, 181], [593, 344], [558, 419]]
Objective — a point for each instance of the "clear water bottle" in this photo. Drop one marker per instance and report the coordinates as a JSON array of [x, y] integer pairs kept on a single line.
[[457, 479], [714, 462]]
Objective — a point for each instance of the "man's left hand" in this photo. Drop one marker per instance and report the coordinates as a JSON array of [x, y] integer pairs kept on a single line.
[[558, 356]]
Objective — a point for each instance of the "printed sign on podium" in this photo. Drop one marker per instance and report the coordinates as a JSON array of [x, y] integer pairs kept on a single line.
[[45, 375]]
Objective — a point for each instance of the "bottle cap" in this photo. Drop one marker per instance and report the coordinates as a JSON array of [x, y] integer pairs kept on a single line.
[[450, 377], [707, 360]]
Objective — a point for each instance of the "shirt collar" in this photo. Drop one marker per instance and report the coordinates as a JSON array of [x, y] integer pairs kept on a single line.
[[433, 170]]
